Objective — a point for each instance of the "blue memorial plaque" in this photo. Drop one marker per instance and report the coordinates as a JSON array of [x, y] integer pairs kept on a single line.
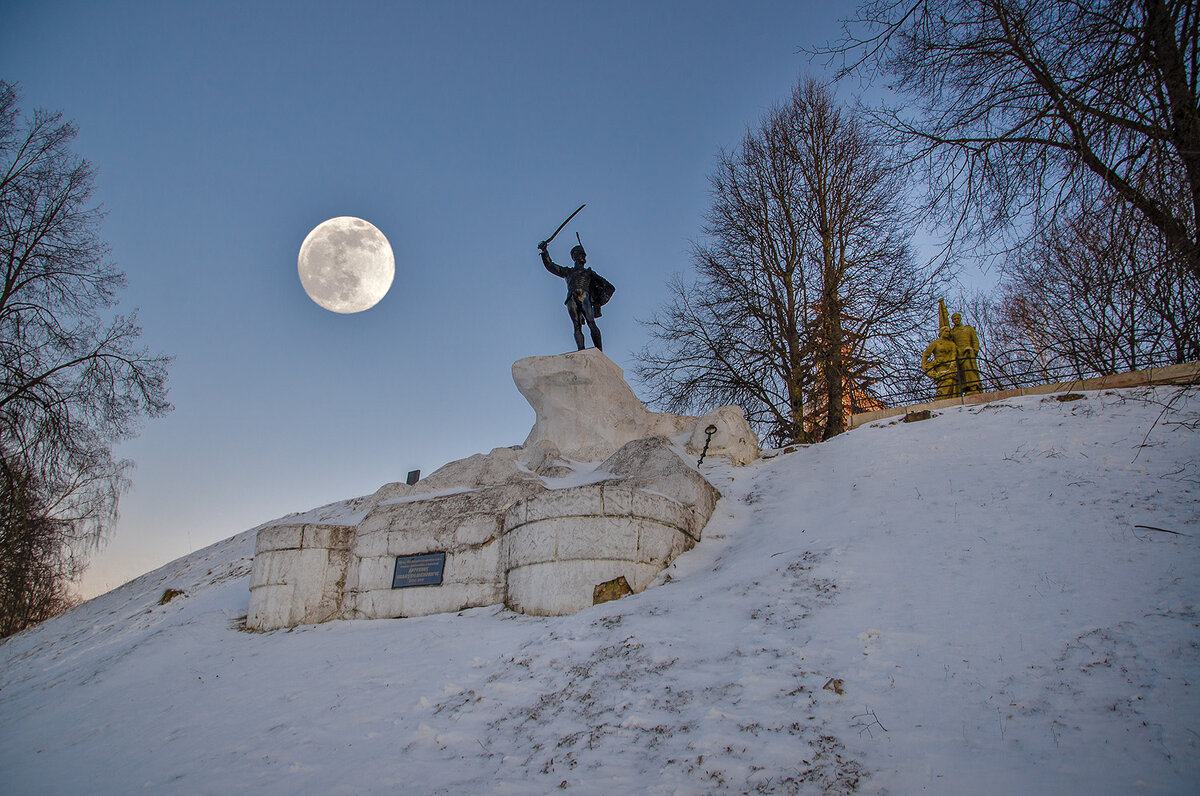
[[419, 570]]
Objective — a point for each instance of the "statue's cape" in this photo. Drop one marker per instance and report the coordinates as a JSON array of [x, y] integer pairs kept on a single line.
[[601, 290]]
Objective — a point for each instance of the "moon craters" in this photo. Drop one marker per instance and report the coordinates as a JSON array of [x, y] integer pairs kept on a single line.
[[346, 264]]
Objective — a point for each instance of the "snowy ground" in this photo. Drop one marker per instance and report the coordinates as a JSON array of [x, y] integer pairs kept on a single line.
[[961, 605]]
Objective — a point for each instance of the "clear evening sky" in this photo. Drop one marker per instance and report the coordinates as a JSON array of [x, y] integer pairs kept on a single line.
[[222, 132]]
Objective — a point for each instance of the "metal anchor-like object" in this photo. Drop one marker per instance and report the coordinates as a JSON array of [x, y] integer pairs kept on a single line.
[[710, 430]]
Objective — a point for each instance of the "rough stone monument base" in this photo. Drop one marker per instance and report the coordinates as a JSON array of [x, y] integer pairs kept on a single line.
[[597, 493]]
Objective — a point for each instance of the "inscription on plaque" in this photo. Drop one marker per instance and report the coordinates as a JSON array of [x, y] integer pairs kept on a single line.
[[419, 570]]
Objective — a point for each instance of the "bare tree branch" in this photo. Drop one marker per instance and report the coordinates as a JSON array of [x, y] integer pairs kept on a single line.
[[73, 383], [1017, 108]]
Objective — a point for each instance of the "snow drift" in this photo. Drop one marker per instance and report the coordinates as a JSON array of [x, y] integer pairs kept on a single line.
[[1001, 599]]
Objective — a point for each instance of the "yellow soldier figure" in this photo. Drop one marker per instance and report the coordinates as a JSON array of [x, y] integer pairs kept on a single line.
[[967, 343], [940, 363]]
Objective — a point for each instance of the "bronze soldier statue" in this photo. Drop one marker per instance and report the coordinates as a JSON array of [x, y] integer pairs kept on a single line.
[[587, 291], [967, 342], [950, 360]]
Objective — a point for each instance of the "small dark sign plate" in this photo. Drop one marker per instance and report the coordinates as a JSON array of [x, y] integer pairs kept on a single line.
[[419, 570]]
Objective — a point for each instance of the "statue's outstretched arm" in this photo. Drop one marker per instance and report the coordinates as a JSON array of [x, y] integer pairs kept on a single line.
[[551, 266]]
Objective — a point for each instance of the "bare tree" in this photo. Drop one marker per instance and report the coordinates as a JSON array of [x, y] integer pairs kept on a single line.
[[36, 567], [72, 382], [1019, 106], [1100, 292], [807, 284]]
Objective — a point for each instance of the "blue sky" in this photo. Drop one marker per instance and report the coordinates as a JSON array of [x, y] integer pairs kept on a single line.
[[465, 131]]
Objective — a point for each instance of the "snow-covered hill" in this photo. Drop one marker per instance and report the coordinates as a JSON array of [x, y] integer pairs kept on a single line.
[[962, 605]]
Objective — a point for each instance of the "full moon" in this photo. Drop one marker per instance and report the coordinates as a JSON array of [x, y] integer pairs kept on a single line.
[[346, 265]]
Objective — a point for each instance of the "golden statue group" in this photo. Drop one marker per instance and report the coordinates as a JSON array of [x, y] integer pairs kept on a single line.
[[950, 359]]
